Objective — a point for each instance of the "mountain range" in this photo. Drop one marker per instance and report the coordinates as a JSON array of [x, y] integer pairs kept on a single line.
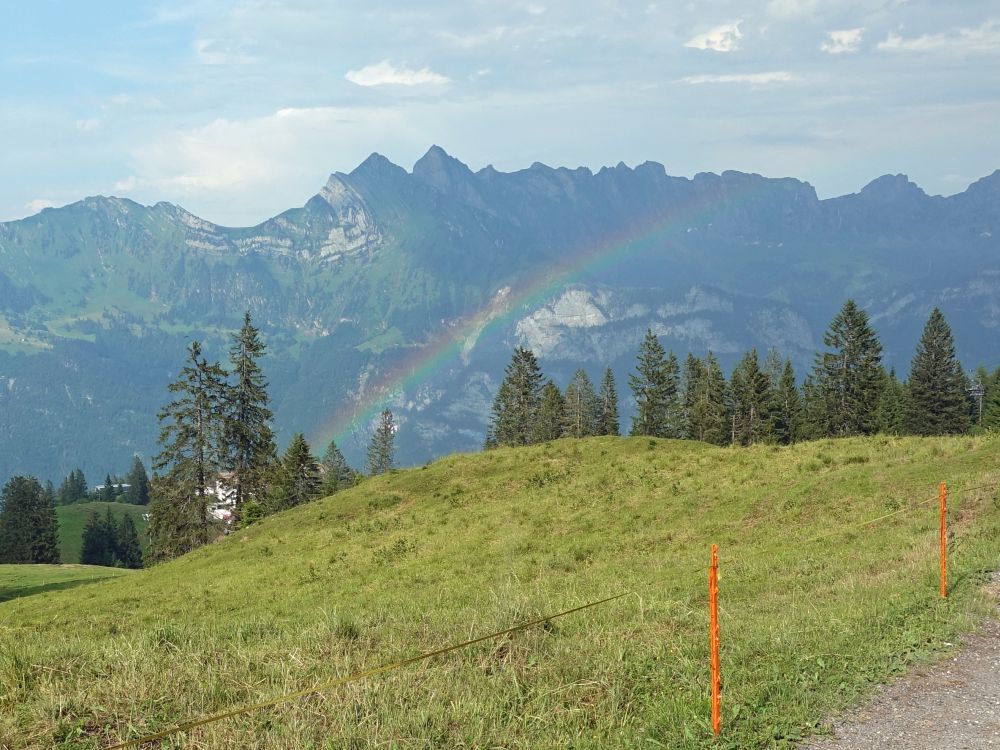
[[410, 288]]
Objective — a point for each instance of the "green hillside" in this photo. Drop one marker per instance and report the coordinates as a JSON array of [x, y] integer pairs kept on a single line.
[[28, 580], [72, 519], [811, 613]]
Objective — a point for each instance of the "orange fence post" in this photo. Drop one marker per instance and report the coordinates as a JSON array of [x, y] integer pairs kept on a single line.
[[944, 540], [713, 637]]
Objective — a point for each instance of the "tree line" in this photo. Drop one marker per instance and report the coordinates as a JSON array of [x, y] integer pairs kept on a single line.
[[110, 542], [133, 488], [216, 436], [848, 392]]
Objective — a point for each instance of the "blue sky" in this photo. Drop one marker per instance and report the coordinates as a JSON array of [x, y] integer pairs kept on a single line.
[[238, 110]]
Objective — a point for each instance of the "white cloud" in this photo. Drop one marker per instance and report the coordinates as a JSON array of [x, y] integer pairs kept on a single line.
[[723, 38], [246, 155], [386, 74], [756, 79], [220, 52], [986, 38], [845, 40], [791, 8], [38, 204], [88, 125]]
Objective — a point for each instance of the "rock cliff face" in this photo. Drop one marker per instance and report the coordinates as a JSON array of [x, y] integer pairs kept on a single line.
[[410, 288]]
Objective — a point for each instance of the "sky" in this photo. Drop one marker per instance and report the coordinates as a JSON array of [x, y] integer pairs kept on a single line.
[[240, 109]]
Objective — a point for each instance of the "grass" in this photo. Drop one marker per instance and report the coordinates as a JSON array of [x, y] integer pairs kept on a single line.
[[812, 613], [72, 519], [28, 580]]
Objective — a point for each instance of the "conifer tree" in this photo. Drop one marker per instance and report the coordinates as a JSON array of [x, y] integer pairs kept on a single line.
[[786, 406], [849, 377], [751, 400], [991, 407], [299, 476], [250, 440], [692, 383], [655, 387], [138, 483], [516, 405], [381, 448], [192, 454], [813, 421], [108, 490], [29, 528], [581, 407], [550, 421], [708, 419], [98, 545], [337, 473], [607, 420], [936, 401], [129, 551], [891, 404]]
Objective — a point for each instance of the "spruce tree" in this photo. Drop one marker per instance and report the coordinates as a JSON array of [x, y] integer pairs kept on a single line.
[[607, 399], [337, 473], [108, 490], [129, 550], [581, 407], [655, 388], [936, 402], [381, 448], [708, 418], [550, 420], [849, 377], [192, 454], [29, 527], [891, 404], [299, 476], [515, 407], [786, 406], [751, 401], [138, 483], [250, 441], [991, 407], [813, 419], [692, 383], [98, 545]]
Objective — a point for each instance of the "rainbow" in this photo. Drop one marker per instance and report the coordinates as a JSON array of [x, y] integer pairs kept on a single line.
[[452, 343]]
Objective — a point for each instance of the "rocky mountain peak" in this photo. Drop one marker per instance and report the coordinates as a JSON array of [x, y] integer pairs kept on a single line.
[[892, 189]]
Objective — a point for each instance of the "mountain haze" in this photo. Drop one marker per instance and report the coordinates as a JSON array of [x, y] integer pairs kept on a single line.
[[410, 288]]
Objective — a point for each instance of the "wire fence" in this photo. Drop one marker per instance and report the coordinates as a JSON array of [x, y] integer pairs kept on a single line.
[[400, 664]]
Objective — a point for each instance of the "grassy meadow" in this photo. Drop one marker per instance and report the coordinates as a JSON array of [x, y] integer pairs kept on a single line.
[[28, 580], [72, 519], [812, 613]]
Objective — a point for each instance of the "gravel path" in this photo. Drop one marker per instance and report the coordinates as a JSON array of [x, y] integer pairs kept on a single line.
[[949, 706]]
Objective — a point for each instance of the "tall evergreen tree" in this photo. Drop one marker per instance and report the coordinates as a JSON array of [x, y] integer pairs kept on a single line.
[[138, 483], [655, 387], [249, 437], [751, 401], [108, 490], [192, 454], [299, 476], [73, 488], [708, 419], [581, 406], [337, 473], [381, 448], [937, 403], [550, 420], [29, 528], [849, 377], [129, 551], [98, 542], [607, 399], [786, 406], [692, 383], [991, 407], [516, 405], [891, 404]]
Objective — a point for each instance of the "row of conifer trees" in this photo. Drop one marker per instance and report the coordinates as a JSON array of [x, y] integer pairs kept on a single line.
[[848, 392]]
